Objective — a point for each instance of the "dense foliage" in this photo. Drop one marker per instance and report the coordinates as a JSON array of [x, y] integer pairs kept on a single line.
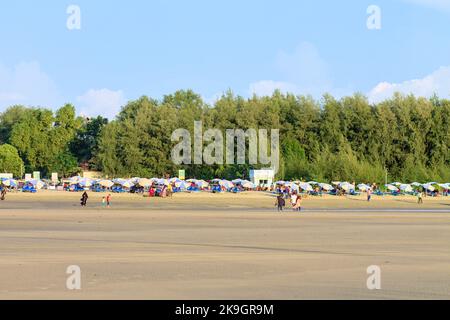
[[330, 139]]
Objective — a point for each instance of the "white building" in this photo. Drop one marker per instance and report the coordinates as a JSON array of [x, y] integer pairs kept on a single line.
[[262, 177]]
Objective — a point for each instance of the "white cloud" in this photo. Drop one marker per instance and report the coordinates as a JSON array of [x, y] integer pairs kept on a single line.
[[103, 101], [27, 84], [437, 82], [303, 72], [435, 4]]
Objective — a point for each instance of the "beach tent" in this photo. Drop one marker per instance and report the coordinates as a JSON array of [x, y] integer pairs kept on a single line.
[[105, 183], [326, 186], [406, 188], [390, 187], [363, 187]]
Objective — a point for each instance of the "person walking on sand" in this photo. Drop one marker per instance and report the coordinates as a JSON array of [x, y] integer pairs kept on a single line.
[[298, 204], [108, 200], [84, 199], [3, 194], [280, 203], [369, 194], [294, 198], [420, 197], [103, 202]]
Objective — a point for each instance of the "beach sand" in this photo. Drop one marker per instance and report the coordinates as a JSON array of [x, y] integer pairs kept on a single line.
[[223, 246]]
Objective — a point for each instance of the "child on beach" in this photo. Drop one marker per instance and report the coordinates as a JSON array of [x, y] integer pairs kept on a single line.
[[108, 200], [280, 203], [103, 202]]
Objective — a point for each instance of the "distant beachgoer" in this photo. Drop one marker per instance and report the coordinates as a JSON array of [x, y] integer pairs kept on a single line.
[[298, 204], [280, 203], [294, 198], [420, 197], [169, 190], [84, 199], [3, 194], [103, 202], [108, 200], [369, 194]]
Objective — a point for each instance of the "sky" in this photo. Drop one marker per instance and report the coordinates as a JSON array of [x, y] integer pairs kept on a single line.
[[104, 53]]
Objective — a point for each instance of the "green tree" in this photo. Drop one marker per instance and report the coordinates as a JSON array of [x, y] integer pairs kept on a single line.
[[10, 162]]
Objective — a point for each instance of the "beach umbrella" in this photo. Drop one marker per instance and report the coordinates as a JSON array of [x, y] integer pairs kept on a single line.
[[416, 184], [201, 183], [238, 181], [406, 188], [390, 187], [280, 182], [9, 182], [174, 179], [127, 184], [293, 186], [346, 186], [326, 186], [74, 180], [85, 182], [181, 184], [396, 183], [248, 184], [106, 183], [163, 181], [143, 182], [444, 185], [313, 182], [428, 187], [227, 184], [305, 186], [336, 183], [363, 187], [38, 184], [119, 181]]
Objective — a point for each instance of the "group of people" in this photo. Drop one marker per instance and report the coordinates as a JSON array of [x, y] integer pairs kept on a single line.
[[295, 201], [106, 201]]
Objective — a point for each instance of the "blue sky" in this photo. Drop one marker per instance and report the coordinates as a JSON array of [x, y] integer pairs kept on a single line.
[[126, 49]]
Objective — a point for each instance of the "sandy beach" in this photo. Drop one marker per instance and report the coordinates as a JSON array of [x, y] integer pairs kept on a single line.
[[223, 246]]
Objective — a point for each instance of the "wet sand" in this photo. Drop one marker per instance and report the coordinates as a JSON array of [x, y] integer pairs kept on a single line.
[[223, 246]]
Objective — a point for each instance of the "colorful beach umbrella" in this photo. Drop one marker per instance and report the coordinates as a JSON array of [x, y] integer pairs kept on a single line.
[[106, 183]]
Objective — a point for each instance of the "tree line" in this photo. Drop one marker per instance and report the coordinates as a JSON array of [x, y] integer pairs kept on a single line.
[[406, 137]]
